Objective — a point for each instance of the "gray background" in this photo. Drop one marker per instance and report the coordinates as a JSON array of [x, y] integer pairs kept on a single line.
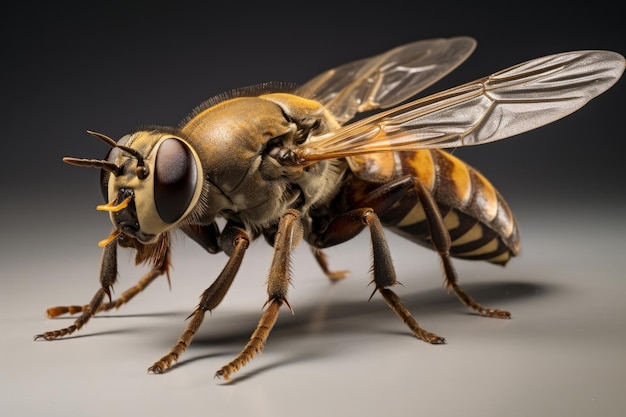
[[113, 67]]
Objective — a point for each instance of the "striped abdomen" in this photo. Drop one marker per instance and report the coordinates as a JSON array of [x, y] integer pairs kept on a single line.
[[480, 223]]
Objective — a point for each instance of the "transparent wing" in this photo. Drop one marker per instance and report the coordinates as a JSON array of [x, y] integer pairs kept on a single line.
[[504, 104], [387, 79]]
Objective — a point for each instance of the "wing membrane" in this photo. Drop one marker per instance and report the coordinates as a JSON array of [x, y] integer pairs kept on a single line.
[[509, 102], [387, 79]]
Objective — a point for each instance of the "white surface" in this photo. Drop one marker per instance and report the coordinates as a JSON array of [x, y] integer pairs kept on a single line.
[[562, 354]]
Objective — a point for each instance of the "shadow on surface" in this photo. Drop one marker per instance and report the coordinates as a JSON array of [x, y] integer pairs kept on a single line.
[[240, 377], [326, 316], [343, 318], [329, 316]]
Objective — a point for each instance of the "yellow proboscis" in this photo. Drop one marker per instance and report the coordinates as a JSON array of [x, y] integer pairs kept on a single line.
[[111, 207], [114, 234]]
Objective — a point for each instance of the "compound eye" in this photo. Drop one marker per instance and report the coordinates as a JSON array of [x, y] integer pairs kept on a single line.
[[175, 179]]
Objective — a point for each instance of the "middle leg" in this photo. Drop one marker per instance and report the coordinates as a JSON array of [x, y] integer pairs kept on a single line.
[[288, 236]]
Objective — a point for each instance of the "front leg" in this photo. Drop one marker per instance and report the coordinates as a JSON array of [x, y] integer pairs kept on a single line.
[[124, 298], [108, 275], [157, 253], [287, 237]]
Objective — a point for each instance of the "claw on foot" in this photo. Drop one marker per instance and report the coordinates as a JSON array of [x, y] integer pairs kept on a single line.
[[224, 374], [155, 369], [495, 313], [163, 364], [434, 339], [49, 335]]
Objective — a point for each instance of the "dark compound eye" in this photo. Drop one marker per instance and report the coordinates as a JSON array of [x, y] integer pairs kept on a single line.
[[175, 179]]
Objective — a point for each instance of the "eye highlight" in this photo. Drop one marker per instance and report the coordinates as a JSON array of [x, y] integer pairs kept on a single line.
[[175, 179]]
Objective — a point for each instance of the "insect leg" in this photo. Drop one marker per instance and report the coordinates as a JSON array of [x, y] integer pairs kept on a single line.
[[441, 242], [235, 241], [349, 224], [287, 237], [115, 304], [159, 255], [320, 257], [108, 275]]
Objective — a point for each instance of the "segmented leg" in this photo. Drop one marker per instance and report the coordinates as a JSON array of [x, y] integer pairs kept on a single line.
[[382, 266], [108, 275], [115, 304], [287, 237], [385, 277], [257, 340], [401, 311], [238, 243], [157, 253], [441, 242], [345, 226], [320, 257]]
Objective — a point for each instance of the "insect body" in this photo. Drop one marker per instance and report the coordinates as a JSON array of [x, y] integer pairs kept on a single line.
[[476, 217], [289, 164]]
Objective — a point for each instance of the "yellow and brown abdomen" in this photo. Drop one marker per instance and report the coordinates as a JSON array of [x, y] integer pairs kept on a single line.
[[479, 221]]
